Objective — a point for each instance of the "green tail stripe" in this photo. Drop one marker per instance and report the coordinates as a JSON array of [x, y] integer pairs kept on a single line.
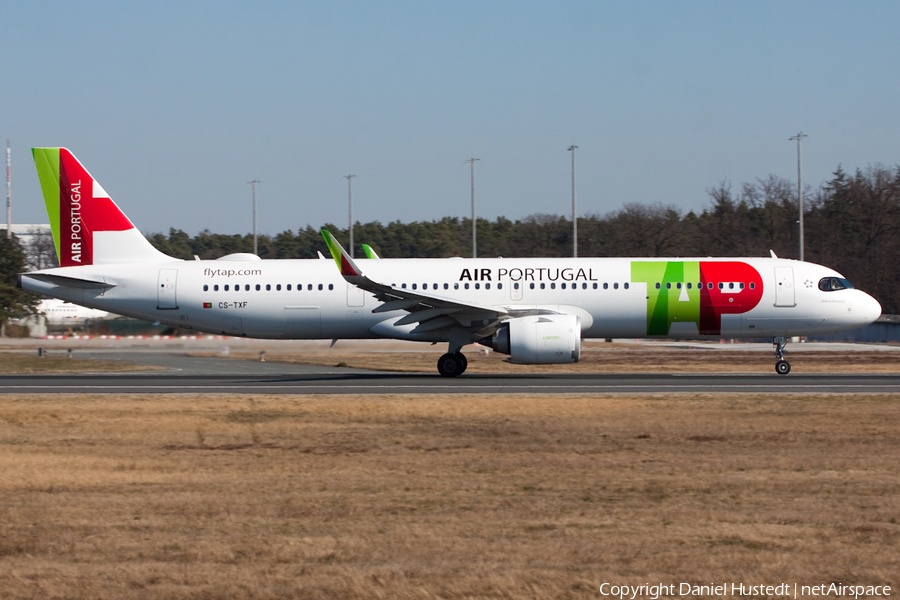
[[46, 160]]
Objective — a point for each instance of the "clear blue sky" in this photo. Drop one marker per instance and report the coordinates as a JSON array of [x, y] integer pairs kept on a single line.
[[174, 106]]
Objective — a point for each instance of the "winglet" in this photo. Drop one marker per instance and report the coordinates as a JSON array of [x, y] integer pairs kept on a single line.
[[370, 253], [346, 265]]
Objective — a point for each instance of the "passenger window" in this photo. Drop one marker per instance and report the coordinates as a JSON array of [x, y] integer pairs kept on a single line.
[[467, 286], [288, 287], [752, 286], [414, 286], [595, 286], [247, 288], [278, 287], [709, 285], [446, 286], [657, 285], [721, 286], [499, 286], [320, 287], [584, 286], [606, 286], [257, 287], [403, 285], [543, 285], [563, 286], [531, 286], [309, 287], [688, 285], [626, 285], [434, 286], [216, 288], [668, 286], [553, 286], [731, 286], [742, 285], [456, 286], [205, 288], [268, 287], [330, 286], [226, 287], [615, 286], [515, 286], [477, 286], [678, 285], [487, 286], [237, 288]]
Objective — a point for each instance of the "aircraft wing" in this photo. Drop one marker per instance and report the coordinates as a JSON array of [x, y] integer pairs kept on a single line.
[[432, 312]]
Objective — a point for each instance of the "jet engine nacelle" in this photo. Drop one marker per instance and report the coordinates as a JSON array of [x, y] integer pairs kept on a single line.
[[540, 339]]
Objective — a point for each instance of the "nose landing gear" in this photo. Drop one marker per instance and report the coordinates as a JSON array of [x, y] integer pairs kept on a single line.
[[782, 367]]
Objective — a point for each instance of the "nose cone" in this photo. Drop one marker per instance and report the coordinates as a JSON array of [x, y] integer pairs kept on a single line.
[[868, 308]]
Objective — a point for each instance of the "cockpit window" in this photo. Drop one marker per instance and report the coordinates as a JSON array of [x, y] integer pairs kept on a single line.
[[832, 284]]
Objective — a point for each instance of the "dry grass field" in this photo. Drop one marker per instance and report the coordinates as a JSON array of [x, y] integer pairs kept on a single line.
[[394, 497], [29, 363], [598, 357]]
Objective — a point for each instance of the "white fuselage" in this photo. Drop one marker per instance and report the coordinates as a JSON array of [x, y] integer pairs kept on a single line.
[[308, 299]]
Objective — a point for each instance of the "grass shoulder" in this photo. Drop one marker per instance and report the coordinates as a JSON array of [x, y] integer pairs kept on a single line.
[[15, 363]]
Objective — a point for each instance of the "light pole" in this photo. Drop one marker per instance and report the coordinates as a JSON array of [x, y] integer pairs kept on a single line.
[[574, 207], [253, 183], [799, 137], [8, 195], [349, 179], [471, 162]]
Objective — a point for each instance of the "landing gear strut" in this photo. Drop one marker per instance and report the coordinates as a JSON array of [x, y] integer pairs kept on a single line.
[[782, 367], [452, 364]]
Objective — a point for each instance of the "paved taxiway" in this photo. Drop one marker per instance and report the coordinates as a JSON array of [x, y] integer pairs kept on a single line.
[[181, 371], [190, 374]]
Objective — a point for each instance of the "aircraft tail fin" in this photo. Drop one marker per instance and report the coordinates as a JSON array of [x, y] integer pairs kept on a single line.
[[88, 227]]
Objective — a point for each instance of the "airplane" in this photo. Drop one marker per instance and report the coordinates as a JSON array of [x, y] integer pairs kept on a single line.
[[61, 312], [536, 310]]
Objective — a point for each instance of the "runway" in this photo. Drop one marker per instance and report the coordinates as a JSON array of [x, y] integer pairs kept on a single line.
[[182, 373], [190, 375]]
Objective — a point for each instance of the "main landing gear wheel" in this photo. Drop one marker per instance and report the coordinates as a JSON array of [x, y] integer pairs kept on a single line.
[[452, 364], [782, 367]]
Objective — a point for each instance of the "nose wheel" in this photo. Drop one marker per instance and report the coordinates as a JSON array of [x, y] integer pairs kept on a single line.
[[782, 367], [452, 364]]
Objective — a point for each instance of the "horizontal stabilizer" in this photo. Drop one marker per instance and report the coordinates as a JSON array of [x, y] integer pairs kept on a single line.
[[70, 282]]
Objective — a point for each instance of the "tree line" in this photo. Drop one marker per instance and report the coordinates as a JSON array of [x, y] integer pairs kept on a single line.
[[852, 224]]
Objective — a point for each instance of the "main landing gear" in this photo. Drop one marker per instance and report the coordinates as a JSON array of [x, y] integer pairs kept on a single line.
[[782, 367], [452, 364]]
